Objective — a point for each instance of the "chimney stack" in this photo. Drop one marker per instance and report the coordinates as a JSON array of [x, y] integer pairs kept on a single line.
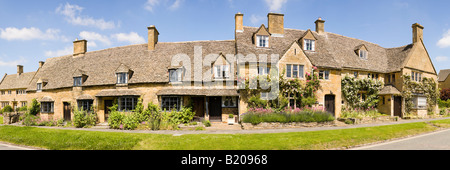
[[41, 63], [239, 21], [79, 47], [276, 24], [417, 30], [152, 37], [19, 69], [320, 26]]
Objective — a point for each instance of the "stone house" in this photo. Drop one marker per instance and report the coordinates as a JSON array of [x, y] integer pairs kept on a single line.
[[444, 81], [13, 88], [204, 74]]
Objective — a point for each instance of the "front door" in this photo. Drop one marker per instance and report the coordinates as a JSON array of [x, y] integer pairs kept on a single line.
[[398, 106], [67, 111], [108, 103], [199, 106], [215, 109], [329, 104]]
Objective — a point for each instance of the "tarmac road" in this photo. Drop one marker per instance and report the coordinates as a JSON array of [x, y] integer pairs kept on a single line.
[[5, 146], [432, 141]]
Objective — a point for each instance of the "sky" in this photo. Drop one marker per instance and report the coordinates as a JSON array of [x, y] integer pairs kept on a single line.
[[33, 31]]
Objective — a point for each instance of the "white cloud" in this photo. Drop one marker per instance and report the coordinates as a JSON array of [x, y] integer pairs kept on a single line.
[[445, 40], [275, 5], [66, 51], [31, 33], [256, 19], [131, 37], [150, 4], [175, 5], [73, 16], [441, 58], [93, 37], [14, 63]]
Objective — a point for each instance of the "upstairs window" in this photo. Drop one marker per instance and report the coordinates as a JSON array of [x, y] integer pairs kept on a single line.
[[294, 71], [415, 76], [39, 87], [122, 78], [221, 71], [363, 54], [324, 74], [263, 70], [262, 41], [309, 45], [77, 81], [175, 75]]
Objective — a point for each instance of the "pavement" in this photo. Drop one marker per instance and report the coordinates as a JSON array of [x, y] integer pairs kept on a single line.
[[9, 146]]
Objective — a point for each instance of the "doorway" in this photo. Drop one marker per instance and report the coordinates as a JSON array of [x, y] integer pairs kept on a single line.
[[215, 109], [67, 111], [398, 106], [199, 106], [330, 104], [108, 103]]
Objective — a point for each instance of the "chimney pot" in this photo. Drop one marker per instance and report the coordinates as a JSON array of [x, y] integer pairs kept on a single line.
[[79, 47], [276, 24], [239, 22], [417, 31], [19, 69], [320, 25], [41, 63], [152, 37]]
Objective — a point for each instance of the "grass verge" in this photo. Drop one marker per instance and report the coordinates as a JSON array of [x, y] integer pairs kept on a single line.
[[73, 139]]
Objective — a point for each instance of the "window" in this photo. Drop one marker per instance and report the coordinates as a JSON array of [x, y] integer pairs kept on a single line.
[[384, 100], [309, 45], [46, 107], [175, 75], [169, 103], [393, 77], [415, 76], [4, 104], [324, 74], [122, 78], [221, 71], [39, 87], [77, 81], [420, 102], [9, 91], [85, 105], [294, 71], [228, 101], [3, 92], [363, 54], [23, 104], [127, 103], [263, 70], [355, 74], [262, 41]]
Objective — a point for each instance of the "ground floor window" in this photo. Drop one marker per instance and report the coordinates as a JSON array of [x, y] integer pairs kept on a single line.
[[169, 103], [127, 103], [47, 107], [23, 104], [229, 101], [4, 104], [420, 102], [85, 105]]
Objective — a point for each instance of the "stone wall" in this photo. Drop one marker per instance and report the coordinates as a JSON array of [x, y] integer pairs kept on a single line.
[[10, 118]]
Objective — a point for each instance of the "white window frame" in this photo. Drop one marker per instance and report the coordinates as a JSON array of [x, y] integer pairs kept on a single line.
[[363, 54], [39, 87], [77, 81], [300, 71], [229, 101], [324, 74], [263, 70], [262, 41], [122, 78], [177, 73], [309, 45], [221, 71], [420, 102]]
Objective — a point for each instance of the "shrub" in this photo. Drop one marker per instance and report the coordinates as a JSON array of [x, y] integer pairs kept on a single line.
[[207, 123], [131, 121], [444, 104], [298, 116], [35, 107], [154, 116], [30, 120], [7, 109], [82, 118], [21, 109], [445, 94], [115, 119], [308, 101]]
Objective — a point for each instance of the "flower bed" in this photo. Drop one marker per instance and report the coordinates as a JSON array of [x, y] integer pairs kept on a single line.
[[256, 116]]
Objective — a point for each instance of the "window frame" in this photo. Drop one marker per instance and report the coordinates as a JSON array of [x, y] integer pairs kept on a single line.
[[127, 103], [262, 41], [221, 71], [178, 73], [325, 74], [363, 54], [168, 105], [295, 71], [88, 103], [310, 45], [229, 101], [77, 81], [263, 70], [39, 87], [47, 107], [122, 78]]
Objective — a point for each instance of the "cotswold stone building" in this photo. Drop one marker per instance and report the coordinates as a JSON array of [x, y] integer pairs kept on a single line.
[[205, 74]]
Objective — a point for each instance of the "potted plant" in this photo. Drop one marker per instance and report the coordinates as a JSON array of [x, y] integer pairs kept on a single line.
[[231, 119]]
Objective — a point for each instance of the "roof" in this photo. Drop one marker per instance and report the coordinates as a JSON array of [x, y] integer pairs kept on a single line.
[[117, 92], [331, 50], [15, 81], [389, 89], [443, 74], [198, 92], [100, 67]]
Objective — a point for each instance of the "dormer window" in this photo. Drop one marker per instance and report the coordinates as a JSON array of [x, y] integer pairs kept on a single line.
[[122, 78], [77, 81], [363, 54], [309, 45], [39, 87], [262, 41], [221, 71], [175, 75]]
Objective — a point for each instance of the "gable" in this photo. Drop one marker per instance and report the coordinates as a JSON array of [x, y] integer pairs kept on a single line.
[[419, 59], [262, 31], [295, 55]]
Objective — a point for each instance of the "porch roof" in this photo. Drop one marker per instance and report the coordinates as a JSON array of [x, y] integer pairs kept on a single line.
[[389, 89], [198, 92], [117, 92]]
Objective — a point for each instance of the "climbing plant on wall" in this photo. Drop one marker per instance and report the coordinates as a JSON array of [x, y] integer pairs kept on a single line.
[[426, 87], [352, 89]]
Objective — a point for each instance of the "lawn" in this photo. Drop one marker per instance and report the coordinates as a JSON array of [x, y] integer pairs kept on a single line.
[[88, 140]]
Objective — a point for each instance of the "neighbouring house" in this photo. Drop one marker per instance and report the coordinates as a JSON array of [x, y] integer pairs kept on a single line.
[[204, 74], [443, 79], [13, 88]]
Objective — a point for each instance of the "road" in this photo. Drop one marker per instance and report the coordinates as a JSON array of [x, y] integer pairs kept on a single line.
[[6, 146], [433, 141]]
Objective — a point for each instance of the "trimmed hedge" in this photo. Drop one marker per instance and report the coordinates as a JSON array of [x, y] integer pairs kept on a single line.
[[304, 116]]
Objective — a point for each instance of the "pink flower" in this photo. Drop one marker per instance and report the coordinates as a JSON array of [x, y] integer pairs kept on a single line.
[[314, 67]]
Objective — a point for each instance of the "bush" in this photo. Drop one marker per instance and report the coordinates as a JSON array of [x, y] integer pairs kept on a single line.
[[299, 116], [207, 123], [7, 109], [115, 120], [445, 94], [444, 104], [154, 116], [130, 122], [35, 107], [82, 118], [30, 120]]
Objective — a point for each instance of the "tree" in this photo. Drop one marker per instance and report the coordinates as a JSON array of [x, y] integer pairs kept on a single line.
[[35, 107], [445, 94]]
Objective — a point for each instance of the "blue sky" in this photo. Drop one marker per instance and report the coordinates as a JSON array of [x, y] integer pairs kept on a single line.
[[32, 31]]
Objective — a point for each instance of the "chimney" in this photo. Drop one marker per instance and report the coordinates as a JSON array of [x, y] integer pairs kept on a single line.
[[152, 37], [41, 63], [239, 21], [320, 26], [79, 47], [276, 24], [19, 69], [417, 30]]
